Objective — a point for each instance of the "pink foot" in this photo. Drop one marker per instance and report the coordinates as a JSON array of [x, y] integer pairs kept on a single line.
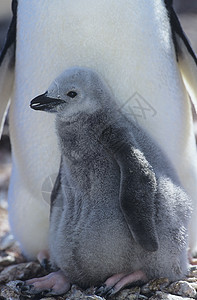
[[115, 283], [55, 283]]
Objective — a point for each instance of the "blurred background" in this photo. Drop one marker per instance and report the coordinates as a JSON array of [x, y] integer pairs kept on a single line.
[[5, 149], [187, 10]]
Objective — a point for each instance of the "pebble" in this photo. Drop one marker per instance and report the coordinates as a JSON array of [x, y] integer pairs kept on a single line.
[[155, 285], [130, 294], [182, 288], [7, 241], [158, 289], [9, 293], [193, 272], [6, 259], [21, 271], [77, 293], [165, 296]]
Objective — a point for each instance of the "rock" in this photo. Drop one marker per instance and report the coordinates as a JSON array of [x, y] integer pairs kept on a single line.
[[52, 298], [165, 296], [94, 297], [130, 294], [182, 288], [194, 284], [74, 292], [4, 226], [11, 291], [8, 293], [155, 285], [21, 271], [77, 294], [7, 241], [6, 259], [193, 272]]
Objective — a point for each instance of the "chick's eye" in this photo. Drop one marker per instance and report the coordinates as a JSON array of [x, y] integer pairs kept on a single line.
[[72, 94]]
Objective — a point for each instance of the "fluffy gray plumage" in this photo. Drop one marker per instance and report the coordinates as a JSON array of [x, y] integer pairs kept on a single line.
[[117, 205]]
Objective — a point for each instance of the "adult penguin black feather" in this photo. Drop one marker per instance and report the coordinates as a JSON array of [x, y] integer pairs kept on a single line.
[[7, 66], [185, 55], [11, 35], [178, 30]]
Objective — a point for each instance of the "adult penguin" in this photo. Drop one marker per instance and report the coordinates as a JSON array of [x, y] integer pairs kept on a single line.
[[144, 55]]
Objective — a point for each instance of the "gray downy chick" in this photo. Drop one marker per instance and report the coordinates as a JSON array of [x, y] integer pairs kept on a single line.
[[117, 206]]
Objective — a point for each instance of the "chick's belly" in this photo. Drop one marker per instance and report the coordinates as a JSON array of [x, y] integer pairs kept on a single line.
[[95, 249]]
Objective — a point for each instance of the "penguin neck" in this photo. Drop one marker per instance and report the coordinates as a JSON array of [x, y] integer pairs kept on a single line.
[[78, 139]]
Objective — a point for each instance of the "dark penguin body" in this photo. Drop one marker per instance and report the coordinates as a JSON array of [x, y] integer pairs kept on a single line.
[[116, 206]]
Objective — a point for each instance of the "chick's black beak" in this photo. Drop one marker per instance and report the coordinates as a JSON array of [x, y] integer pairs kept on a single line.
[[45, 103]]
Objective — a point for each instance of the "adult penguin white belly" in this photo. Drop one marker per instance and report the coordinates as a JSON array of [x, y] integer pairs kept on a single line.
[[131, 45]]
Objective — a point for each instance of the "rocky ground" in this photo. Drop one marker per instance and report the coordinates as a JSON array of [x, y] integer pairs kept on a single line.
[[14, 267]]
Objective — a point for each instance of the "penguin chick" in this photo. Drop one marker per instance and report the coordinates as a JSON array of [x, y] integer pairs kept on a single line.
[[118, 213]]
